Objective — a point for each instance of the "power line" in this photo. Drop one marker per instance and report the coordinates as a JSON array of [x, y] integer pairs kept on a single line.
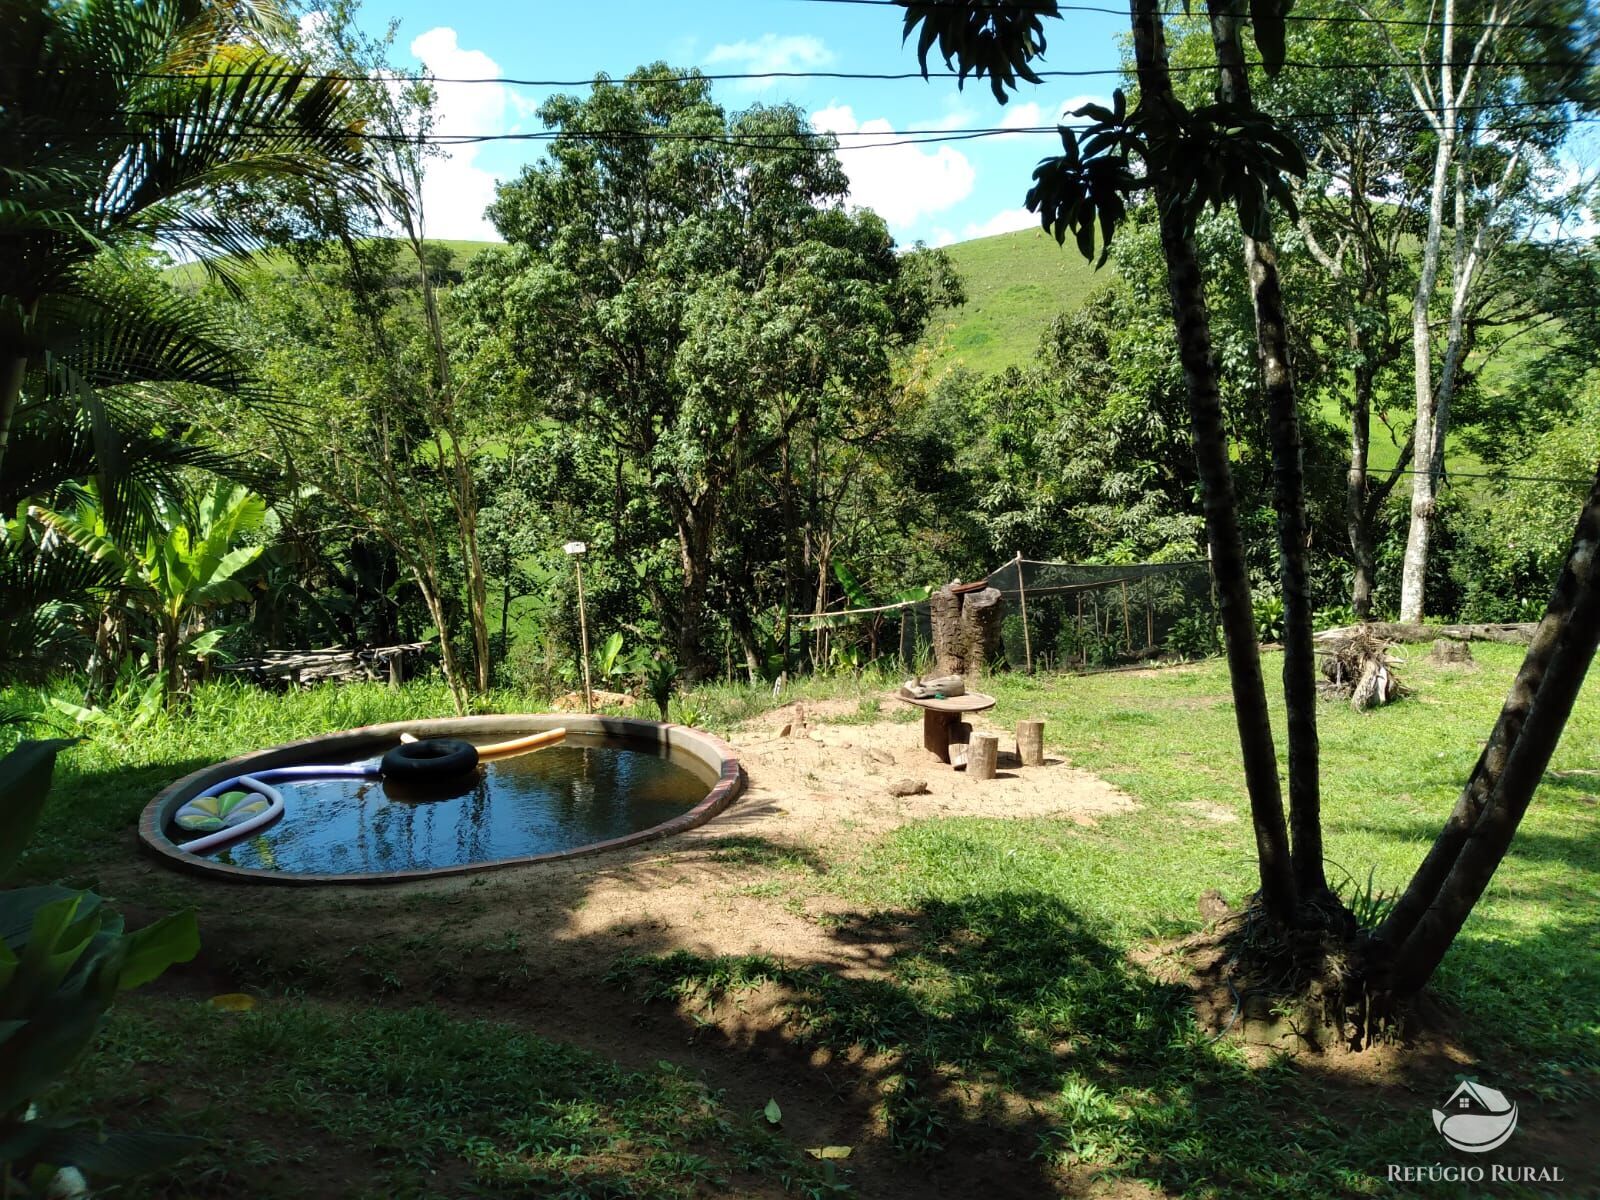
[[1049, 8], [819, 140], [602, 80]]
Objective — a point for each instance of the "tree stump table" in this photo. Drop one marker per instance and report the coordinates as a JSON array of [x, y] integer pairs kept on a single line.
[[938, 716]]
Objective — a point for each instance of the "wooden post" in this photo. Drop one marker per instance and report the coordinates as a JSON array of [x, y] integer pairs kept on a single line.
[[1022, 602], [1127, 624], [960, 742], [394, 670], [1081, 650], [1149, 618], [983, 752], [583, 635], [936, 729], [1030, 742]]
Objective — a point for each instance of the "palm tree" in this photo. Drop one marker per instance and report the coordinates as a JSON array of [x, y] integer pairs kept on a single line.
[[125, 123]]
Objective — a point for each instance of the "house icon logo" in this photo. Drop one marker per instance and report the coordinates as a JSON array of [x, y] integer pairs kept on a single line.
[[1476, 1118]]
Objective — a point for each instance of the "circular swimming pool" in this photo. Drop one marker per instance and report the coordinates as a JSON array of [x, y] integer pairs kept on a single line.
[[612, 782]]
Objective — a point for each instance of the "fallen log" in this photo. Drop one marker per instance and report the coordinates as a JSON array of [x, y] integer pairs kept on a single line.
[[1393, 631]]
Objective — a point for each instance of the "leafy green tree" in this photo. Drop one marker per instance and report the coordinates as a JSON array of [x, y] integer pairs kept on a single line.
[[123, 121], [125, 124], [695, 296], [1229, 154], [1494, 81]]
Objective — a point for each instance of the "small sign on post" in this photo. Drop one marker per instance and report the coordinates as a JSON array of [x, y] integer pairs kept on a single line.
[[576, 550]]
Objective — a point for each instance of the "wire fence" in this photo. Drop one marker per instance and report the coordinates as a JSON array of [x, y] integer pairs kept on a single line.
[[1058, 616]]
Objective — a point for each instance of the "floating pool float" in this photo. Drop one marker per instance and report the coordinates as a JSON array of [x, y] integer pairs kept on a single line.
[[231, 809], [431, 760]]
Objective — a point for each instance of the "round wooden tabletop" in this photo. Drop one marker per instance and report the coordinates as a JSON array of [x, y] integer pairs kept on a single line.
[[971, 702]]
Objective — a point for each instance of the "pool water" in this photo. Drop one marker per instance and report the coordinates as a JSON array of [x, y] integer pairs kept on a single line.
[[587, 789]]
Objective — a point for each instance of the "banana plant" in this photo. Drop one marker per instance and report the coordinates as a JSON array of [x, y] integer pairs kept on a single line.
[[64, 958], [187, 564]]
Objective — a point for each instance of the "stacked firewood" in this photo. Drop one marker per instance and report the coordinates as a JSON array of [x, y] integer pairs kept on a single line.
[[368, 664]]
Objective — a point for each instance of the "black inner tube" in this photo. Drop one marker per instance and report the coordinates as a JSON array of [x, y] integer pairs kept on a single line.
[[430, 759]]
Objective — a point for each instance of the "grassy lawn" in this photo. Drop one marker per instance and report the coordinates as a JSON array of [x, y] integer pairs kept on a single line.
[[1010, 1013], [1015, 979]]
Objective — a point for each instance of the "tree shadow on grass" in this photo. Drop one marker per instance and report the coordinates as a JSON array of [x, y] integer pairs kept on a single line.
[[1008, 1026], [92, 816]]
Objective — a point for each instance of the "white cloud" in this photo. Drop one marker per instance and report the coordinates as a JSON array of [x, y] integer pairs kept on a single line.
[[1032, 115], [456, 190], [899, 182], [1007, 221], [1020, 116], [770, 52]]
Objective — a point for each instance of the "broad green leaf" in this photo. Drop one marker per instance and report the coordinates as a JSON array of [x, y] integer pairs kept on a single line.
[[773, 1113], [19, 906], [37, 1055], [151, 950], [852, 586], [24, 786]]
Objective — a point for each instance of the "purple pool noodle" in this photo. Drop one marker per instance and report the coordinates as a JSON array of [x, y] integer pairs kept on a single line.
[[299, 771], [257, 781]]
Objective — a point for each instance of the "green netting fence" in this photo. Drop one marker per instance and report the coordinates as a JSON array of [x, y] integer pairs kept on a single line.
[[1059, 616]]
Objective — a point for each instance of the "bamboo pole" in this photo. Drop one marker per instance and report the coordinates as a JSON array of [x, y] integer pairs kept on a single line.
[[1081, 650], [583, 636], [1127, 623], [1022, 599], [1149, 617]]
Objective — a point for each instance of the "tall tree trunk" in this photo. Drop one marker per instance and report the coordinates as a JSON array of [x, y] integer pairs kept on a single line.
[[1288, 494], [694, 554], [1414, 567], [1363, 553], [1431, 912], [477, 581], [745, 634], [505, 616], [463, 495], [1192, 323], [428, 585]]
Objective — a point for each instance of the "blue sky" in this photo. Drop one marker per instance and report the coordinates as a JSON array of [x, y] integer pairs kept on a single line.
[[937, 193]]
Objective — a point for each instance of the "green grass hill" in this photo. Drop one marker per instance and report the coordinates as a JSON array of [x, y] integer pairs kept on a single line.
[[1017, 283]]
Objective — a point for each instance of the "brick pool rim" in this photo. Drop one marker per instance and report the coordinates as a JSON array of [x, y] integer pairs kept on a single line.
[[719, 758]]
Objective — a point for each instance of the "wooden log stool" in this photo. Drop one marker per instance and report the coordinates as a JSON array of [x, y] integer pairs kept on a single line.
[[983, 755], [1030, 743], [940, 716]]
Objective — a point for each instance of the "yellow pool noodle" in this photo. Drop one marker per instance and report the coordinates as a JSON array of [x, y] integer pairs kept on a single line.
[[521, 745]]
